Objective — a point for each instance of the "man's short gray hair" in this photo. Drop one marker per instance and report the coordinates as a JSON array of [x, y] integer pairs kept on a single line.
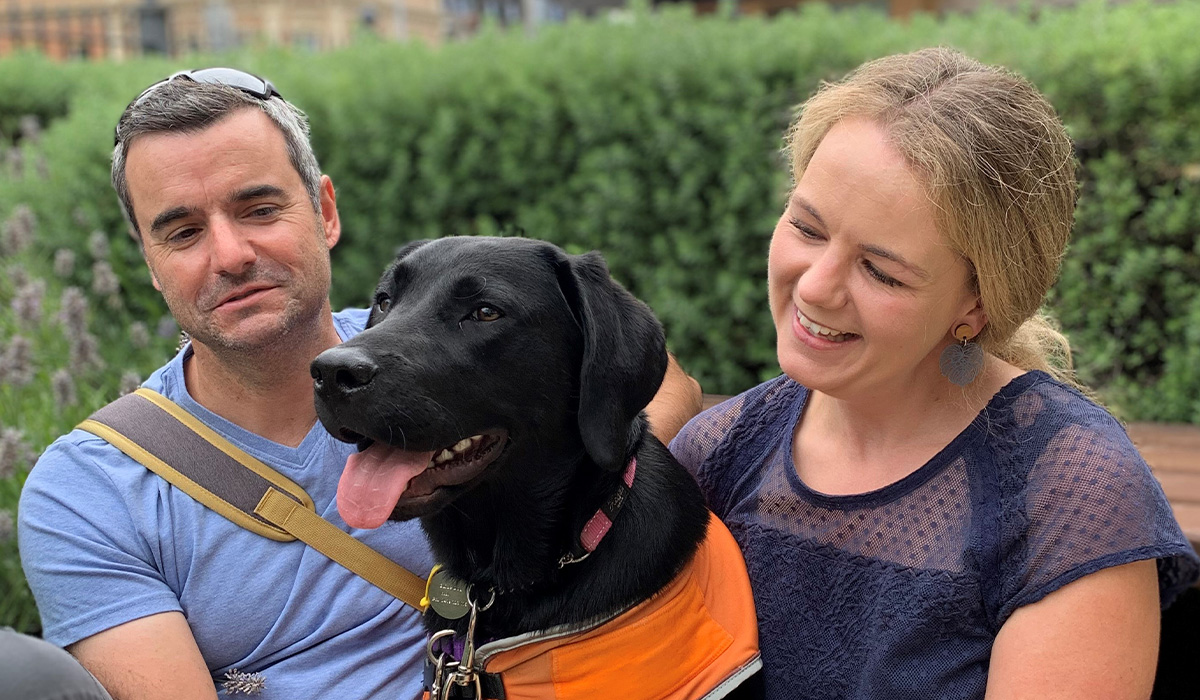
[[184, 106]]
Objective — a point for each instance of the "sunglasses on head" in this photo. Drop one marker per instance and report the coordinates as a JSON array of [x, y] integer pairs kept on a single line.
[[250, 84]]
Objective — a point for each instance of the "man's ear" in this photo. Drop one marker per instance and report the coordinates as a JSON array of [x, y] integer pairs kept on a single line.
[[624, 356], [331, 223], [153, 277]]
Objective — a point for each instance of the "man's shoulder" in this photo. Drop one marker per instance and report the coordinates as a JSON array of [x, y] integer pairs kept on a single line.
[[77, 462], [350, 322]]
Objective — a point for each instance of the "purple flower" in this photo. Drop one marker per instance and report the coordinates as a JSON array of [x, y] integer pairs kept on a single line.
[[17, 232], [27, 303], [98, 245], [63, 387], [104, 280], [7, 526], [72, 312], [13, 452], [64, 262], [16, 364], [84, 352], [130, 381]]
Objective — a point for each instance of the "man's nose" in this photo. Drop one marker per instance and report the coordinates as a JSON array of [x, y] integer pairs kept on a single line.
[[232, 251]]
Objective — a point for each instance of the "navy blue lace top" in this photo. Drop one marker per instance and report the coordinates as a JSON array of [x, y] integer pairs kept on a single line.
[[899, 592]]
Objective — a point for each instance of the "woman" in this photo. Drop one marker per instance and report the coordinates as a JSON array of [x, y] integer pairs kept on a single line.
[[928, 506]]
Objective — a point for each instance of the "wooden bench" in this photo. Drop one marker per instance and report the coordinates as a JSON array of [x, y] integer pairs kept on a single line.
[[1173, 453]]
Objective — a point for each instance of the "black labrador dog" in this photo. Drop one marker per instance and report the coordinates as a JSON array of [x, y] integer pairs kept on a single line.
[[497, 395]]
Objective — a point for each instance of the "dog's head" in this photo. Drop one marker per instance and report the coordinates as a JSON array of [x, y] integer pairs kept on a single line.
[[480, 352]]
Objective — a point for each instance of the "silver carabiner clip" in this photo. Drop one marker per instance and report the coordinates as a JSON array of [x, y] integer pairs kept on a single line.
[[433, 640], [463, 679]]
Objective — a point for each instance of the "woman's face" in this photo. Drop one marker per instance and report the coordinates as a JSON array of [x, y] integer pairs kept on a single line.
[[864, 291]]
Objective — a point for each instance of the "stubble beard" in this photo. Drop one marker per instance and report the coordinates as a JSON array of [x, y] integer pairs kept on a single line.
[[301, 311]]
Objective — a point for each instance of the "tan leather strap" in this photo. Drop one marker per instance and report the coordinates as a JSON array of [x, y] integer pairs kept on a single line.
[[194, 458], [333, 542]]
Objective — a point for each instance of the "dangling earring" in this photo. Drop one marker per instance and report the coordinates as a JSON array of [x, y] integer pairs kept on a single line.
[[962, 363]]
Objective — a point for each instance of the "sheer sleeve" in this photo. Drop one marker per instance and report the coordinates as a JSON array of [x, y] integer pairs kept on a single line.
[[700, 438], [1082, 500]]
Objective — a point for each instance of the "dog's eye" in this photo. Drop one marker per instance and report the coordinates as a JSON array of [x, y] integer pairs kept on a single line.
[[486, 313], [383, 302]]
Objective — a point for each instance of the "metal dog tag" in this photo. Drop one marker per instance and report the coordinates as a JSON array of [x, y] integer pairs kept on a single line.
[[448, 595]]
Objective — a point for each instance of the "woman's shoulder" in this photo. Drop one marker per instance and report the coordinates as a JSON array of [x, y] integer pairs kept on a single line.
[[1035, 410], [765, 402], [1047, 440], [727, 430], [1073, 494]]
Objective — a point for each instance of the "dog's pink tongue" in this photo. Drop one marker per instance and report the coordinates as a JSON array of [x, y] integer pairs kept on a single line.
[[374, 480]]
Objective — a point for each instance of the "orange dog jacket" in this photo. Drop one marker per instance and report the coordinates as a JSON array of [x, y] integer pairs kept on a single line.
[[696, 639]]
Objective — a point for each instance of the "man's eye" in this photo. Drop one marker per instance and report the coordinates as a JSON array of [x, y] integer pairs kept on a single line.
[[487, 314], [383, 303], [183, 235]]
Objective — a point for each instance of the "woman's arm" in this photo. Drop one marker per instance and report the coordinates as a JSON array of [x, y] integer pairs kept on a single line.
[[1094, 639]]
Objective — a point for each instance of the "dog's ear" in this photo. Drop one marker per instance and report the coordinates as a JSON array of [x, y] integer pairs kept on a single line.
[[624, 356], [404, 250]]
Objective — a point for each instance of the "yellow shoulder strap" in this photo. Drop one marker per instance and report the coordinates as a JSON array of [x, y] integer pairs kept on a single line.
[[175, 445]]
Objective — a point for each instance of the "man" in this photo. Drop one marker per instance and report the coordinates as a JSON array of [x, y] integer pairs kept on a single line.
[[152, 592]]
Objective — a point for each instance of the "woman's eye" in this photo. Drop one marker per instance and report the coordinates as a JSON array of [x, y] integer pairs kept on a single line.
[[804, 229], [383, 303], [879, 276], [486, 313]]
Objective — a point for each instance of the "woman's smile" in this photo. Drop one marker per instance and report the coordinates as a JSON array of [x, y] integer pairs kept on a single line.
[[820, 336]]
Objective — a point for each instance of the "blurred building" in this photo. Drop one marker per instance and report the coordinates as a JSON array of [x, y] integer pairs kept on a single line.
[[116, 29], [895, 8]]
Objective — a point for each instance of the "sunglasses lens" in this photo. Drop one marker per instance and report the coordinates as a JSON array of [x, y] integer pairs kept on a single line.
[[234, 78], [247, 83]]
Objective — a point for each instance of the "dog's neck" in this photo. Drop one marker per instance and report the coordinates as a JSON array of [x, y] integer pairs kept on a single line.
[[481, 539]]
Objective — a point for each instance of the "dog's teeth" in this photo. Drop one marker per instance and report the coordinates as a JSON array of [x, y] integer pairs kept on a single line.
[[462, 444], [475, 439], [445, 456]]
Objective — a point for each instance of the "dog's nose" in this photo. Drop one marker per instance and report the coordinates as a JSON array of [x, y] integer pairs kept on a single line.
[[342, 370]]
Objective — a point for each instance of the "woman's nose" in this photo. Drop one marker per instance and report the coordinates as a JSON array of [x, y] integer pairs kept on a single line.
[[823, 283]]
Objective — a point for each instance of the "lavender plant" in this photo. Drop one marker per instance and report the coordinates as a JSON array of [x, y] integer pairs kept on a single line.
[[68, 345]]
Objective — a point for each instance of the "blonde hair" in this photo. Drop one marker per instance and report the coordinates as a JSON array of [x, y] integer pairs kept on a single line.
[[999, 168]]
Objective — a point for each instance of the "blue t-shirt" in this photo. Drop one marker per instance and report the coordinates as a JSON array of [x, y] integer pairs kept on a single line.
[[105, 541], [900, 592]]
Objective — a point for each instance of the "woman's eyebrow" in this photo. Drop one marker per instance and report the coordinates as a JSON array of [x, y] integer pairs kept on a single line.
[[808, 207], [884, 253], [894, 257]]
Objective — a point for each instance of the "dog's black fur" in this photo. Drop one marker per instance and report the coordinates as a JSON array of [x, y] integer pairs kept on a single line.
[[565, 370]]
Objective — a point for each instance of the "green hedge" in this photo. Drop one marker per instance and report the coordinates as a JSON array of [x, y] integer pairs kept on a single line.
[[656, 140]]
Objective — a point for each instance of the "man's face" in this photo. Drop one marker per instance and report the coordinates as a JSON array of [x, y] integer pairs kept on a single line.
[[229, 231]]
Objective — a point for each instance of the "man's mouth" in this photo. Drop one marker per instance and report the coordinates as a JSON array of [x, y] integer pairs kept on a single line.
[[379, 475], [240, 294]]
